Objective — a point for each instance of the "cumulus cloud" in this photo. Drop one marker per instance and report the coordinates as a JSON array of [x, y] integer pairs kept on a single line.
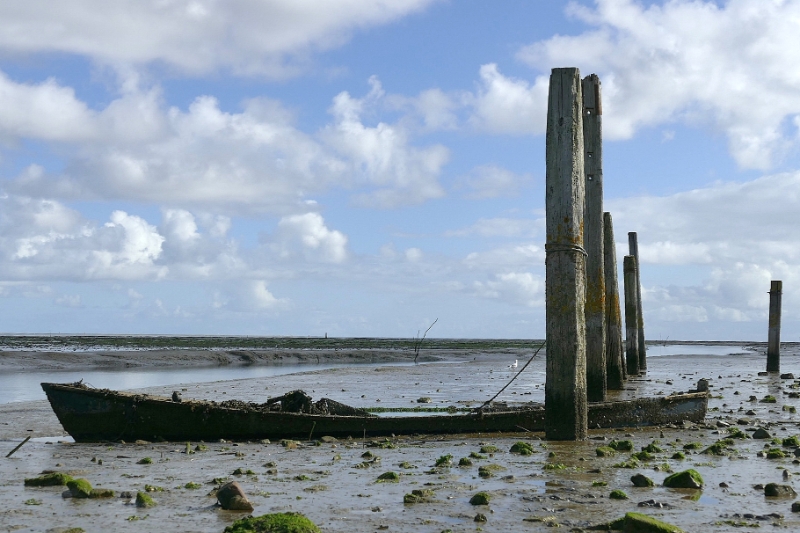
[[699, 62], [522, 288], [247, 37], [491, 181], [308, 234]]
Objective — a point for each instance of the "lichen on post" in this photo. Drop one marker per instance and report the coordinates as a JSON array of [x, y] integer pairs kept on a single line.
[[615, 362], [631, 315], [774, 333], [565, 387]]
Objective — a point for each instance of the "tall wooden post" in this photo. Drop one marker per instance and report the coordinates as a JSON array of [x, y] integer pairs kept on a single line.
[[631, 315], [565, 385], [615, 365], [633, 249], [593, 241], [774, 334]]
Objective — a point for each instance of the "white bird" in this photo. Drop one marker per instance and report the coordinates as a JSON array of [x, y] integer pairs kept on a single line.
[[513, 365]]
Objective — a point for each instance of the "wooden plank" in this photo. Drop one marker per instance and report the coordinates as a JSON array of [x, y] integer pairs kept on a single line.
[[615, 365], [774, 333], [633, 249], [631, 315], [593, 241], [565, 388]]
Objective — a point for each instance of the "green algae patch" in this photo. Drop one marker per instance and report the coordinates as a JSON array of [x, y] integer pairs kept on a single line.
[[418, 496], [641, 523], [444, 460], [688, 479], [679, 456], [643, 455], [192, 485], [274, 523], [144, 500], [481, 498], [768, 399], [605, 451], [522, 448], [737, 433], [465, 461], [488, 471], [489, 448], [640, 480], [243, 472], [621, 445], [618, 495], [406, 465], [80, 488], [389, 477], [101, 493], [775, 453], [791, 441], [144, 461], [476, 455], [693, 446], [53, 479]]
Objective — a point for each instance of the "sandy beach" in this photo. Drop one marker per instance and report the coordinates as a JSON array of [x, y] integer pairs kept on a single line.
[[336, 486]]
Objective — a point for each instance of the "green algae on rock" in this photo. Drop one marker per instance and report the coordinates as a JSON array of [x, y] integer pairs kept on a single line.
[[481, 498], [144, 461], [775, 490], [101, 493], [274, 523], [621, 445], [618, 495], [444, 460], [639, 523], [418, 496], [51, 479], [80, 488], [144, 500], [687, 479], [489, 448], [487, 471], [465, 461], [522, 448], [605, 451], [640, 480], [389, 477]]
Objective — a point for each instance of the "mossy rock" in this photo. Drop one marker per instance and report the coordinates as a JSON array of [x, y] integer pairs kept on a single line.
[[692, 446], [680, 456], [775, 490], [144, 461], [418, 496], [481, 498], [652, 448], [444, 460], [621, 445], [193, 485], [718, 448], [643, 456], [274, 523], [640, 480], [487, 471], [476, 455], [769, 399], [101, 493], [389, 477], [53, 479], [144, 500], [522, 448], [80, 488], [737, 433], [465, 461], [775, 453], [605, 451], [641, 523], [489, 448], [791, 441], [618, 495], [688, 479]]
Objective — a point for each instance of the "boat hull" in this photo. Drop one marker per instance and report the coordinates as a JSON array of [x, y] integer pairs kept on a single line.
[[92, 415]]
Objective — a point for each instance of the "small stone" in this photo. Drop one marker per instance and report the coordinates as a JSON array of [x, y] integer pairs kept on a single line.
[[640, 480], [80, 488], [775, 490], [796, 507], [480, 517], [144, 500], [688, 479], [761, 433], [231, 497], [787, 375], [481, 498]]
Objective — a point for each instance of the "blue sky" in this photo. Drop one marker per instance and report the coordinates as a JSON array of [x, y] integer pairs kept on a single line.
[[361, 168]]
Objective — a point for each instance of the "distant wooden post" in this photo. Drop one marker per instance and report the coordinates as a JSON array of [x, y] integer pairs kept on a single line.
[[631, 315], [774, 334], [565, 385], [593, 241], [615, 364], [633, 249]]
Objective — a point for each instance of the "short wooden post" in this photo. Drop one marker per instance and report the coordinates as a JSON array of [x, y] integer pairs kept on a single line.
[[631, 315], [633, 249], [565, 385], [774, 334], [593, 241], [615, 365]]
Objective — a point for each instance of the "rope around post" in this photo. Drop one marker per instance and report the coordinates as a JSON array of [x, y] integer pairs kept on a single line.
[[521, 370]]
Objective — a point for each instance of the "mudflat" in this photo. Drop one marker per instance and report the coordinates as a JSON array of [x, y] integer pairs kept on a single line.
[[335, 483]]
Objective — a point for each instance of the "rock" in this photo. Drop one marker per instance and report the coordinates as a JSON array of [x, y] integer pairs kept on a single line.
[[480, 517], [641, 523], [231, 497], [274, 523], [328, 439], [424, 399], [788, 375], [640, 480], [176, 396], [605, 451], [481, 498], [796, 507], [522, 448], [702, 385], [688, 479], [761, 433], [51, 479], [419, 496], [618, 495], [80, 488], [144, 500], [779, 491], [101, 493]]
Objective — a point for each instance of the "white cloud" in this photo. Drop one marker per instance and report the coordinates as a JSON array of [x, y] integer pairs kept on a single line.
[[247, 37], [522, 288], [311, 236], [491, 181], [699, 62]]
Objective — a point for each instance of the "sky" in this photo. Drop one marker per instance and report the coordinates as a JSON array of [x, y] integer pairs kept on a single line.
[[365, 167]]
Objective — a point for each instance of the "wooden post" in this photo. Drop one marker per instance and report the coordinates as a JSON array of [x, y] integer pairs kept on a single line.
[[633, 249], [593, 241], [774, 334], [615, 365], [565, 385], [631, 315]]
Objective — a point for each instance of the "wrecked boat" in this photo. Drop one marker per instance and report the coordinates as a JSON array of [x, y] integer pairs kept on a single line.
[[92, 415]]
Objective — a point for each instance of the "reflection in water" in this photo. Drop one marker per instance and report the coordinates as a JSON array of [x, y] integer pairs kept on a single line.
[[694, 349]]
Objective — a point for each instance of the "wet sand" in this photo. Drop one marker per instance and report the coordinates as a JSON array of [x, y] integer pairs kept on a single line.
[[564, 483]]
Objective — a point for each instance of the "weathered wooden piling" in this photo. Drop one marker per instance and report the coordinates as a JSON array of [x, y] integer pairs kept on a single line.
[[615, 363], [565, 385], [593, 240], [774, 334], [633, 249], [631, 315]]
